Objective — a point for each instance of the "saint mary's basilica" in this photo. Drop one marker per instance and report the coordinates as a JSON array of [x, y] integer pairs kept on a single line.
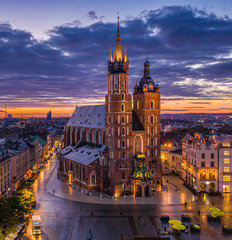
[[115, 148]]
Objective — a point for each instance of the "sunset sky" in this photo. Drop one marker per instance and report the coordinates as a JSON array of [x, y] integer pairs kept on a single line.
[[53, 53]]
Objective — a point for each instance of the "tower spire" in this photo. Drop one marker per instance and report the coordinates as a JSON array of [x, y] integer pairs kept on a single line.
[[118, 59], [118, 48], [118, 35]]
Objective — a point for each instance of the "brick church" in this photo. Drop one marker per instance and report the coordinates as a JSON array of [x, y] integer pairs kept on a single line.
[[115, 148]]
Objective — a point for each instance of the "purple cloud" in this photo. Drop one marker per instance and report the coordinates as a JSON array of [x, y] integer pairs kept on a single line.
[[186, 47]]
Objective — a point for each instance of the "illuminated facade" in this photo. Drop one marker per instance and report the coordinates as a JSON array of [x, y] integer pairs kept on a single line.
[[207, 160]]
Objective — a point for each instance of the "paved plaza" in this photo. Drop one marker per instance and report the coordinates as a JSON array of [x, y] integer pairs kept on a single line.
[[175, 193], [69, 215]]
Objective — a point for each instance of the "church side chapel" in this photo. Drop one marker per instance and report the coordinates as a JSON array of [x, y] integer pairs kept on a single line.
[[115, 148]]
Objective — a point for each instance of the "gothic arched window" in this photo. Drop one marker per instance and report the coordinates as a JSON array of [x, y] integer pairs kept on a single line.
[[138, 105], [123, 96], [93, 179], [152, 104], [123, 143], [123, 84], [152, 130], [123, 119], [123, 131], [65, 166], [116, 84], [152, 142], [152, 119], [83, 174], [70, 166], [77, 170], [123, 108], [123, 176], [138, 144], [100, 138]]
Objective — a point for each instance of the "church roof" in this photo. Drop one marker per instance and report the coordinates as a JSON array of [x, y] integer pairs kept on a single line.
[[85, 154], [88, 116]]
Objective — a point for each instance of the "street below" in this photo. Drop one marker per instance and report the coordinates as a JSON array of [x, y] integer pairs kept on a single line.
[[71, 220]]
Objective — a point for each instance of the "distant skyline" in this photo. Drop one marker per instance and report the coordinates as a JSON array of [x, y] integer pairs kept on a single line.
[[54, 53]]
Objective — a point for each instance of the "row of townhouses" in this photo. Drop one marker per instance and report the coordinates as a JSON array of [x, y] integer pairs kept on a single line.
[[18, 158], [204, 162]]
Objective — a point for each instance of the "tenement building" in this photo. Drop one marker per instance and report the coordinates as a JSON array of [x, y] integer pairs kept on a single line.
[[115, 148], [207, 161]]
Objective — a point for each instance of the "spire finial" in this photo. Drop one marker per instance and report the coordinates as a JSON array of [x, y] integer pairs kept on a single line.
[[147, 56], [118, 25], [118, 49]]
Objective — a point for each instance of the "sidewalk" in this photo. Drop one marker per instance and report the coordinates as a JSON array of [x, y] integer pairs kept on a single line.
[[170, 197]]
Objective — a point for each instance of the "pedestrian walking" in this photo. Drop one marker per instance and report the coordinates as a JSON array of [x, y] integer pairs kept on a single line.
[[139, 219], [213, 203], [185, 204], [199, 212], [91, 213], [90, 235]]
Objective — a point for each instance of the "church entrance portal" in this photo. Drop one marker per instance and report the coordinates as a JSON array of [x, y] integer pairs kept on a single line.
[[147, 192], [138, 191]]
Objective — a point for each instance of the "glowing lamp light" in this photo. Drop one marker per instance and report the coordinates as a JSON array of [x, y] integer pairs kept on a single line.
[[207, 183]]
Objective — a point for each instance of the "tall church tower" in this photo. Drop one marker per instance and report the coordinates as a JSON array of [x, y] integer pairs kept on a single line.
[[146, 128], [118, 121]]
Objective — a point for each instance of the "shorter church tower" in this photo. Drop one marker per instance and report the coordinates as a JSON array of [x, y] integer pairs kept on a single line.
[[146, 123]]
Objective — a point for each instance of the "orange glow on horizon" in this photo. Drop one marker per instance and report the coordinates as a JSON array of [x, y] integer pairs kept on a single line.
[[167, 106]]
